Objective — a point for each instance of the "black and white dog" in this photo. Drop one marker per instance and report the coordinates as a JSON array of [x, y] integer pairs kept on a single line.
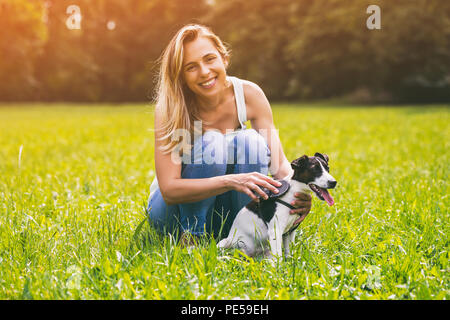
[[262, 227]]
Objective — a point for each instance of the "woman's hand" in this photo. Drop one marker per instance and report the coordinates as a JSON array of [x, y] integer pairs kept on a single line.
[[251, 184], [302, 203]]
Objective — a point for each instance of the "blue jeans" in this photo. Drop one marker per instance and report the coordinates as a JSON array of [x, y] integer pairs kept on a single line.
[[212, 155]]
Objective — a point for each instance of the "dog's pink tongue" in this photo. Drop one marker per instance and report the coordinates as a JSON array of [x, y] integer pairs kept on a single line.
[[327, 196]]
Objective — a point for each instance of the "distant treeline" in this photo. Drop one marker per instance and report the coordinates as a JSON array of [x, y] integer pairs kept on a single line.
[[294, 49]]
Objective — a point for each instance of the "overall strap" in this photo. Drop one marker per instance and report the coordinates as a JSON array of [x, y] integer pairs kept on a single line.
[[240, 100]]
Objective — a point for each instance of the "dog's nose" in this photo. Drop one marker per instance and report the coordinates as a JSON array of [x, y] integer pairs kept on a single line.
[[332, 184]]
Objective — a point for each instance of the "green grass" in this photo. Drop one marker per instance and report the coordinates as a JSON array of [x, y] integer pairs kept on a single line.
[[73, 200]]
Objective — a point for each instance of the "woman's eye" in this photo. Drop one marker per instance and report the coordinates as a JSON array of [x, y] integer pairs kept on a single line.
[[190, 68], [210, 58]]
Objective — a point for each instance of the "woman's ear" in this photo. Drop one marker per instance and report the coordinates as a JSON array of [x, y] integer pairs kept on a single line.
[[226, 62]]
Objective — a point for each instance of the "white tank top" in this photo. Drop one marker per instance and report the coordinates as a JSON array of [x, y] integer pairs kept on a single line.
[[238, 89]]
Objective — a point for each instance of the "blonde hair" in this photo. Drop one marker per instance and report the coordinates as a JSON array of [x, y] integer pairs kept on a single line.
[[174, 100]]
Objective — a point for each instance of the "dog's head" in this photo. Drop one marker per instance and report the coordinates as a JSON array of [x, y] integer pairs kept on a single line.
[[315, 173]]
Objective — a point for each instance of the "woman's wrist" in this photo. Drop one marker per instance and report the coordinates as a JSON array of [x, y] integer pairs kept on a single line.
[[226, 181]]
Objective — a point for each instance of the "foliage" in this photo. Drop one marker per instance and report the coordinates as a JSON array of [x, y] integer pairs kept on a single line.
[[75, 183], [319, 49], [294, 49], [22, 35], [98, 64]]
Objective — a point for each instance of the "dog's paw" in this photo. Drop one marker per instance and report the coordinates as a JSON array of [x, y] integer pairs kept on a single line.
[[223, 244], [287, 255], [272, 259]]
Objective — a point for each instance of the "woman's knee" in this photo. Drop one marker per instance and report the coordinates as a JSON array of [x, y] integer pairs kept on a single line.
[[209, 157], [252, 148], [214, 148], [210, 148]]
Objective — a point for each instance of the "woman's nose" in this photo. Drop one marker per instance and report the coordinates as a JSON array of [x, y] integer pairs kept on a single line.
[[204, 70]]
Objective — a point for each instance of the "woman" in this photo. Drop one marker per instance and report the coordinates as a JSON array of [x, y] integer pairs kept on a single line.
[[208, 165]]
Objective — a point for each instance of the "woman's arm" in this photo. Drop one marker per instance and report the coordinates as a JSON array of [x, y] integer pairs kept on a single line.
[[259, 113]]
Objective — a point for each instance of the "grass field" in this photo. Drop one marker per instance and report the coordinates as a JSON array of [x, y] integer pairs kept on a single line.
[[74, 184]]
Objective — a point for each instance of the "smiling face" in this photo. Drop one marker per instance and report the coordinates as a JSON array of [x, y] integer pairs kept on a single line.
[[203, 68]]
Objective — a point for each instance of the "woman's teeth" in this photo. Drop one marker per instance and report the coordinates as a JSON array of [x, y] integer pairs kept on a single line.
[[209, 83]]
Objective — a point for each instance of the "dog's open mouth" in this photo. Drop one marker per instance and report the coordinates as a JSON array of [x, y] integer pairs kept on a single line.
[[322, 194]]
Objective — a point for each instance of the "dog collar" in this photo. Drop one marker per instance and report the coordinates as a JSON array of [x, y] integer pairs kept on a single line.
[[281, 191]]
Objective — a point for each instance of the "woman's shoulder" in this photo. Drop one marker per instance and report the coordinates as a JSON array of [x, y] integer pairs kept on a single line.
[[252, 90], [255, 99], [253, 93]]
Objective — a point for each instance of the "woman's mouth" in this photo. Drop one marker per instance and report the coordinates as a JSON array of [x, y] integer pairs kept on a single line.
[[208, 84]]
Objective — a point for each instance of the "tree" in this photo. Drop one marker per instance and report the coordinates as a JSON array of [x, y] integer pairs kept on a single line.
[[294, 49], [97, 63], [22, 35]]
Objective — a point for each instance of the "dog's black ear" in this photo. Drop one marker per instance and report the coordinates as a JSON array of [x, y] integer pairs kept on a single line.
[[322, 156], [300, 162]]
